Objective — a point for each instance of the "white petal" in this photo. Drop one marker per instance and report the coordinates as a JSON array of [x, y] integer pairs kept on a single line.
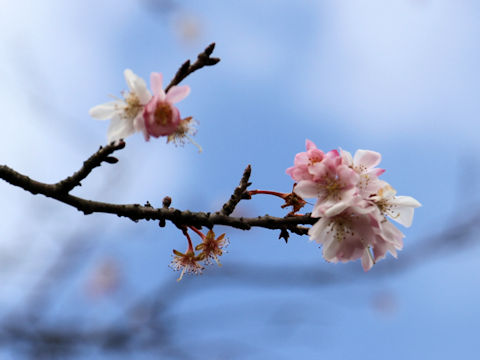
[[137, 86], [142, 92], [107, 110], [119, 128], [402, 209], [406, 201], [177, 93], [307, 189], [130, 78]]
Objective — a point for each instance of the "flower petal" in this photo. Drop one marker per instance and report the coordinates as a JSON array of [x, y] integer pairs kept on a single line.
[[137, 86], [320, 231], [402, 209], [367, 261], [107, 110], [337, 208], [119, 128], [346, 157], [310, 145], [330, 249], [156, 83], [177, 93], [367, 158], [306, 189], [130, 78]]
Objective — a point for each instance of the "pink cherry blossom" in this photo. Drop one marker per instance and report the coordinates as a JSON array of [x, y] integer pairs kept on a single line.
[[161, 117], [332, 183], [349, 235], [304, 161], [352, 204], [357, 233], [364, 163]]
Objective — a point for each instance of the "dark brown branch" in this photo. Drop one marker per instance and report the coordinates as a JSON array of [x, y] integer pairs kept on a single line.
[[137, 212], [238, 193], [203, 59], [102, 155]]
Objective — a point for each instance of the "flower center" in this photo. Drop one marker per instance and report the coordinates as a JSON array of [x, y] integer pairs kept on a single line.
[[332, 187], [163, 114], [133, 106], [341, 228]]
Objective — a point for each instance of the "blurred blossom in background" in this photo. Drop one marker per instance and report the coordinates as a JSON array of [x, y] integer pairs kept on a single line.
[[398, 77]]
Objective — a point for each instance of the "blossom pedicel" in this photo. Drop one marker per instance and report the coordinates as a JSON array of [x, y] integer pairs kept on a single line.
[[352, 203]]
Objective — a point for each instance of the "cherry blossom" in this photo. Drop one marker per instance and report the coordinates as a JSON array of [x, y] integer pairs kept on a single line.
[[161, 117], [349, 235], [398, 208], [304, 162], [333, 184], [364, 163], [353, 204], [126, 114]]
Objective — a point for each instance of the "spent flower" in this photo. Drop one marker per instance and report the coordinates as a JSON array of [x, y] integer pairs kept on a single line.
[[211, 247]]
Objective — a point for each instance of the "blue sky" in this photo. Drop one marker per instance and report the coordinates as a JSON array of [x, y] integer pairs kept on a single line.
[[400, 78]]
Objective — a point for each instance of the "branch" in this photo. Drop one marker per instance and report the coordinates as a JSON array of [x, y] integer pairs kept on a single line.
[[61, 190], [203, 59], [137, 212]]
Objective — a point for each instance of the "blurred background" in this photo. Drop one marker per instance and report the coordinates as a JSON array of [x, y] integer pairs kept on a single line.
[[399, 77]]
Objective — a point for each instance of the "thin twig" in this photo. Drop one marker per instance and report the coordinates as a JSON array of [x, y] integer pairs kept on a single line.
[[238, 193], [203, 59], [102, 155]]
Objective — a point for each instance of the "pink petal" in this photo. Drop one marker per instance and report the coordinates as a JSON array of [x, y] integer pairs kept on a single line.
[[156, 83], [177, 93], [367, 261], [330, 249], [320, 231], [367, 158], [310, 145], [338, 208], [346, 157], [306, 189]]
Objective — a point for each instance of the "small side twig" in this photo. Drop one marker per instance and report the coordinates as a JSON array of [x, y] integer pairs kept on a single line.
[[203, 59], [238, 193], [102, 155]]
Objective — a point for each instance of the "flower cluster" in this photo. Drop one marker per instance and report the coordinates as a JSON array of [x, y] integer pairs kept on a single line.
[[352, 203], [140, 111], [210, 249]]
